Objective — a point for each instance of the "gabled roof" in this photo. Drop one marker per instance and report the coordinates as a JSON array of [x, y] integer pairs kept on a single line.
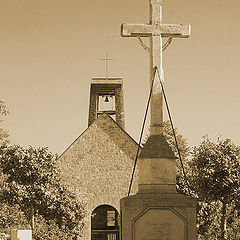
[[117, 134]]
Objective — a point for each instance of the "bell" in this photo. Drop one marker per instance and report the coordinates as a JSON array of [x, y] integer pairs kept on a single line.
[[106, 99]]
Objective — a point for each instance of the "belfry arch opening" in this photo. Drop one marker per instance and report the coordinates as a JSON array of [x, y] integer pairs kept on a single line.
[[104, 223], [106, 95]]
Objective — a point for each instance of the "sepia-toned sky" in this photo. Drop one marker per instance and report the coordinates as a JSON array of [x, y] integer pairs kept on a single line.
[[50, 50]]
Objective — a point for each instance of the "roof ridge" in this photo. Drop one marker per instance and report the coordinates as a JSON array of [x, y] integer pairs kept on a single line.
[[95, 121]]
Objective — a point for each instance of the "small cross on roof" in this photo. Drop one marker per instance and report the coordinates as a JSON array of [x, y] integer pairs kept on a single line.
[[106, 59]]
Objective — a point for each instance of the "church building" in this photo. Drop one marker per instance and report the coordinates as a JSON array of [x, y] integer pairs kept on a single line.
[[97, 166]]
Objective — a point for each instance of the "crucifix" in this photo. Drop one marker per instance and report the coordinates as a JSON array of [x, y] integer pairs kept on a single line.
[[156, 30], [106, 59]]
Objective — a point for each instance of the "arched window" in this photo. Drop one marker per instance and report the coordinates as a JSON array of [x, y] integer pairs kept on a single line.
[[104, 223]]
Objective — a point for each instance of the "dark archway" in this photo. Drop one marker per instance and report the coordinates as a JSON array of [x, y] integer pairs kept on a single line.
[[104, 223]]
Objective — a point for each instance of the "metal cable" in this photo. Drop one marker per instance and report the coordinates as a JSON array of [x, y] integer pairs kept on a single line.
[[140, 139], [175, 138], [174, 134]]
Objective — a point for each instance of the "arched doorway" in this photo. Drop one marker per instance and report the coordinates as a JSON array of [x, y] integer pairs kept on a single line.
[[104, 223]]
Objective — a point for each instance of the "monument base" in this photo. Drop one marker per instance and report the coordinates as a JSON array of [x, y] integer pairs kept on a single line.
[[158, 216]]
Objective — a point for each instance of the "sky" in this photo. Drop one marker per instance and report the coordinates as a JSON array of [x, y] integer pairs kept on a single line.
[[50, 50]]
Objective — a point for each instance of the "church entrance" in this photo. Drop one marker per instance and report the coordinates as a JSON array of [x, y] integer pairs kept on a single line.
[[104, 223]]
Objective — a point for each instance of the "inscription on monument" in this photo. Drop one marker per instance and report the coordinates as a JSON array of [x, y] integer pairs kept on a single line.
[[159, 224]]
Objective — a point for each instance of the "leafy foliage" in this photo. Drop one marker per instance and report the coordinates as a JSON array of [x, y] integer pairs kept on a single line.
[[48, 230], [32, 182], [215, 167], [11, 217], [215, 175], [182, 142]]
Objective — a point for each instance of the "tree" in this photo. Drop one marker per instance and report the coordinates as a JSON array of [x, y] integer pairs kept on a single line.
[[33, 184], [10, 217], [215, 179]]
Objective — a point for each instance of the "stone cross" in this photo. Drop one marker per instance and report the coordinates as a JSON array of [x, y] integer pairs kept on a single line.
[[106, 59], [156, 30]]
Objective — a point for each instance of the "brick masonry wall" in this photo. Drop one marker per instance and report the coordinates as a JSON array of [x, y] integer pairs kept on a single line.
[[98, 167]]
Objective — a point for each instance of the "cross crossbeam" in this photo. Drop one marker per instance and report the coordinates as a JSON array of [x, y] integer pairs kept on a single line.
[[163, 30], [156, 30]]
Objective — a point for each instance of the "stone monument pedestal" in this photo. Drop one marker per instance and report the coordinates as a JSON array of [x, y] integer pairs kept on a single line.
[[157, 211], [158, 216]]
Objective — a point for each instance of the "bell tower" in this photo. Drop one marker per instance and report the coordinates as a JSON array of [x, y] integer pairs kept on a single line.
[[106, 95]]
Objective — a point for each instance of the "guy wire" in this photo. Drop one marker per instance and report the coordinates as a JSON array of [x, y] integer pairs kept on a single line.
[[140, 139], [175, 138]]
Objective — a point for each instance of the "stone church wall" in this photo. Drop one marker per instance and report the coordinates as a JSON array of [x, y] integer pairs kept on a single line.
[[98, 166]]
